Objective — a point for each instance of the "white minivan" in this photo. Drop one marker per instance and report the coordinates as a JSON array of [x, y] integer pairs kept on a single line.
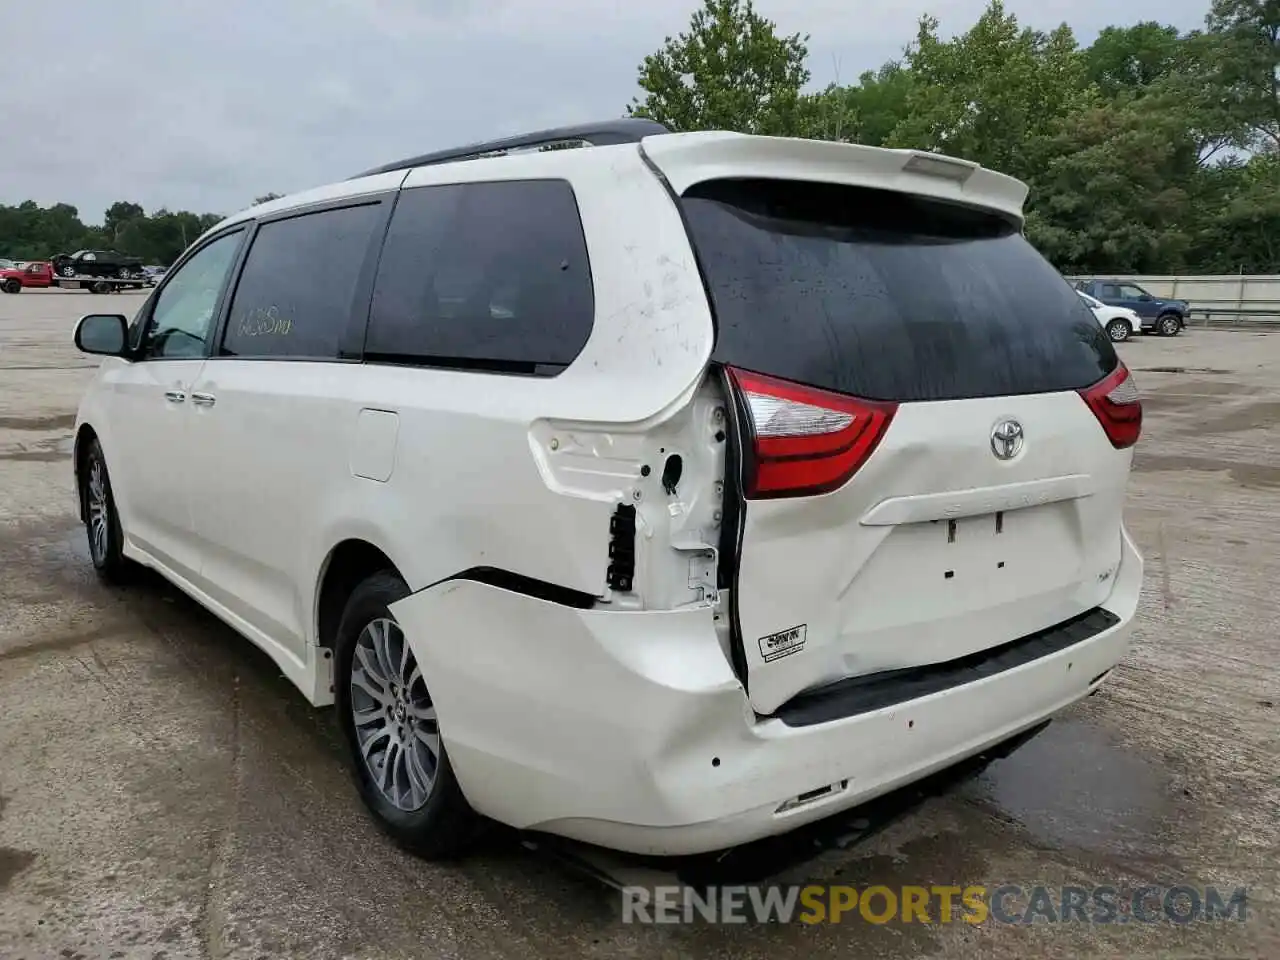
[[664, 493]]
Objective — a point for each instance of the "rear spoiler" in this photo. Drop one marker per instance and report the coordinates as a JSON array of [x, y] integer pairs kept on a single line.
[[689, 158]]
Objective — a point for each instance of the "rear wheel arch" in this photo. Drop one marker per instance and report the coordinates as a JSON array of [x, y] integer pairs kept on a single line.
[[347, 565]]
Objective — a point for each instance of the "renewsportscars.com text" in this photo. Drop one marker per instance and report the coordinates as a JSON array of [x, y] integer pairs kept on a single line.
[[972, 904]]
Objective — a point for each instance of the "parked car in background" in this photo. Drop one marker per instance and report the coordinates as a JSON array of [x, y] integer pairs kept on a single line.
[[1119, 322], [98, 263], [14, 279], [644, 547], [1165, 317], [154, 275]]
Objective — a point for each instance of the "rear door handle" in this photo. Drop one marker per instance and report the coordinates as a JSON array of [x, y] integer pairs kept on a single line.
[[175, 396], [204, 399]]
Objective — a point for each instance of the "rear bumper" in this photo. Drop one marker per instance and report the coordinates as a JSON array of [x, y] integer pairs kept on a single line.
[[630, 731]]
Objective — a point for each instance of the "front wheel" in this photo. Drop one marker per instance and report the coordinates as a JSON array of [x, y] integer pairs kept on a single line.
[[66, 270], [1118, 331], [12, 286], [1169, 325], [101, 519], [392, 730]]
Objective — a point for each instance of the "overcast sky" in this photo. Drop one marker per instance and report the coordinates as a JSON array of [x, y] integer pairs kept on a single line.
[[205, 104]]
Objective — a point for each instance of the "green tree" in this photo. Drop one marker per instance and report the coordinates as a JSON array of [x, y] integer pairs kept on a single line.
[[1125, 59], [118, 216], [866, 112], [1113, 189], [1246, 65], [1236, 222], [988, 93], [730, 71]]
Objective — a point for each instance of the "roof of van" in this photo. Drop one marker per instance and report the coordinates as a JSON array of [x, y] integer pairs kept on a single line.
[[688, 158]]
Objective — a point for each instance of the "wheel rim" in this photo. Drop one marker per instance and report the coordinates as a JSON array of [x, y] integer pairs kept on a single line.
[[68, 271], [395, 721], [99, 511], [1169, 325], [1119, 330]]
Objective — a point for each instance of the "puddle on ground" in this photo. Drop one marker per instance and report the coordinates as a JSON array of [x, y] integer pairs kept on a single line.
[[1252, 475], [64, 421], [13, 862], [1212, 370], [1074, 787]]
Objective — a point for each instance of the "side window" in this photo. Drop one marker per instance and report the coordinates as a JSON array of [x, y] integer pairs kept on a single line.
[[1111, 291], [485, 276], [1131, 292], [90, 256], [183, 314], [297, 288]]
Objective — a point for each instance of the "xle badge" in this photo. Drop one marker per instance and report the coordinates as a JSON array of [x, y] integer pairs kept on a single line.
[[785, 642]]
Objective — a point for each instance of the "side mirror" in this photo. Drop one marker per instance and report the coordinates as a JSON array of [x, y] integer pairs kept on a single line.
[[102, 333], [1146, 298]]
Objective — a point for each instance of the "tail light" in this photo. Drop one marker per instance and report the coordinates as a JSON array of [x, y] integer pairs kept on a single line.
[[804, 441], [1114, 400]]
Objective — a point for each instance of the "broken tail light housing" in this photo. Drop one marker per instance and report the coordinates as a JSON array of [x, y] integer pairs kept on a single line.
[[1116, 403], [804, 441]]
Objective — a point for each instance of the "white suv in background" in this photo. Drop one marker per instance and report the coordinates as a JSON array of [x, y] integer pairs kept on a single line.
[[1119, 322], [665, 493]]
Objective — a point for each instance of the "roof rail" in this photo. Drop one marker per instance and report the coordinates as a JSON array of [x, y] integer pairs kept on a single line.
[[607, 133]]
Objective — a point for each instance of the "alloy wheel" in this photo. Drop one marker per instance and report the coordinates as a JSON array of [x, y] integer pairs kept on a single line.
[[394, 718], [99, 512]]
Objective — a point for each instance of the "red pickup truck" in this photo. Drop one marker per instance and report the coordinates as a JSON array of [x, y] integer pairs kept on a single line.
[[39, 274]]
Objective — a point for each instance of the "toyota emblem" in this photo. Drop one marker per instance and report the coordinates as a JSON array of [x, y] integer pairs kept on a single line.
[[1006, 439]]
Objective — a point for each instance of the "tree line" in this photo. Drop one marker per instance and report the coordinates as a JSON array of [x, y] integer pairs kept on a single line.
[[1150, 150], [29, 231]]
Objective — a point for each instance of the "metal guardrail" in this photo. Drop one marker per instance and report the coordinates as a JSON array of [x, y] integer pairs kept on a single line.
[[1232, 316]]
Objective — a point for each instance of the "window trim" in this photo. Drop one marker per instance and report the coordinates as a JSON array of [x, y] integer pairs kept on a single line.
[[351, 344], [148, 308], [490, 367]]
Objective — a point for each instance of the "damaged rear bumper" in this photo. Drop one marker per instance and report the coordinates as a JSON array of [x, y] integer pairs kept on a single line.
[[630, 730]]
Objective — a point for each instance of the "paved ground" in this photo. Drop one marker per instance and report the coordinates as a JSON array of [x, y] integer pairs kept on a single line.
[[164, 793]]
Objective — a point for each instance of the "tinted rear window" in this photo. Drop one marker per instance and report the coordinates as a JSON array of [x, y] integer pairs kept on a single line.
[[886, 296], [485, 276]]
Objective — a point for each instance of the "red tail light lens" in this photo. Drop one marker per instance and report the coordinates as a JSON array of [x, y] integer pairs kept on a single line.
[[1114, 400], [805, 441]]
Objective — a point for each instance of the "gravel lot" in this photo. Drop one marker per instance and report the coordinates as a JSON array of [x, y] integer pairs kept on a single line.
[[164, 793]]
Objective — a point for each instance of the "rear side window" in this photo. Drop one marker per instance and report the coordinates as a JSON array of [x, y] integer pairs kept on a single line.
[[886, 296], [488, 276], [298, 285]]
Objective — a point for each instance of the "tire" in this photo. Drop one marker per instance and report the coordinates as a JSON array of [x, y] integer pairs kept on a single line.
[[12, 286], [1169, 325], [102, 520], [100, 286], [66, 270], [430, 819], [1118, 331]]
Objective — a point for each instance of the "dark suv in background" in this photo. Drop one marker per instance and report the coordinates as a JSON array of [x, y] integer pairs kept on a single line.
[[1165, 317]]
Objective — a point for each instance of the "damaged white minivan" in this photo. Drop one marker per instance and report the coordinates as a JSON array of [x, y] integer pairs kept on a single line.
[[665, 493]]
